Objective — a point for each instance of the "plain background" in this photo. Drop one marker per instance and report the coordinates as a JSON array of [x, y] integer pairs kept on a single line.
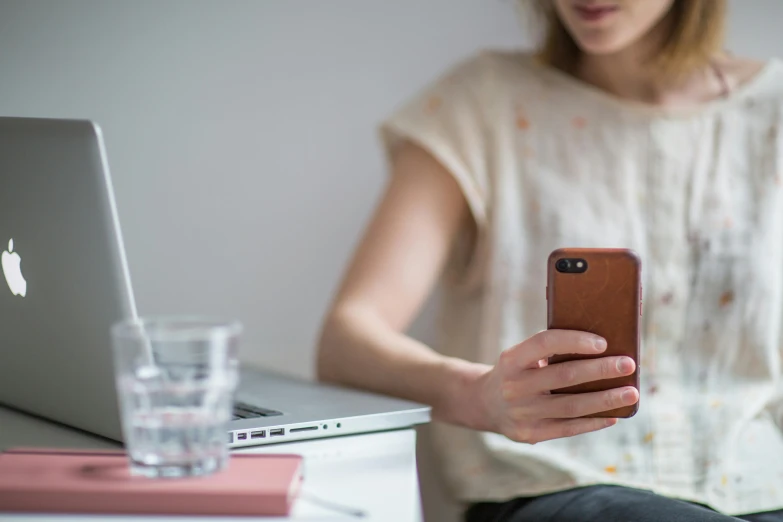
[[242, 135]]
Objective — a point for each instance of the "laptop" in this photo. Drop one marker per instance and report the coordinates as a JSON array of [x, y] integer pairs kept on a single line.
[[65, 280]]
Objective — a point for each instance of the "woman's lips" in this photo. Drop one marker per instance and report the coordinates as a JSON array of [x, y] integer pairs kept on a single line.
[[595, 13]]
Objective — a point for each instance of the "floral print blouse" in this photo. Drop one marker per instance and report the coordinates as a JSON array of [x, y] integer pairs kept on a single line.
[[546, 161]]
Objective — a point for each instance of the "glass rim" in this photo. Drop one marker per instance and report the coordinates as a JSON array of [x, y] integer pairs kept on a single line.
[[176, 328]]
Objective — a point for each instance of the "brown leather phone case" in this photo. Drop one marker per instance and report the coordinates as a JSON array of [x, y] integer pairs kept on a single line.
[[603, 297]]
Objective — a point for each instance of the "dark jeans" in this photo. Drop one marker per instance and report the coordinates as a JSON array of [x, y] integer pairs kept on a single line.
[[604, 504]]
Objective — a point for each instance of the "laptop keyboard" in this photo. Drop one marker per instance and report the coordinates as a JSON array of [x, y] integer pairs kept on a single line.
[[243, 410]]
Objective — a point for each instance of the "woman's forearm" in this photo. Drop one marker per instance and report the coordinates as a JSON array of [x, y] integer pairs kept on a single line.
[[358, 349]]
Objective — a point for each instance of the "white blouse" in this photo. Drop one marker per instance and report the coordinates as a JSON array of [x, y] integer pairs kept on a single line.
[[546, 161]]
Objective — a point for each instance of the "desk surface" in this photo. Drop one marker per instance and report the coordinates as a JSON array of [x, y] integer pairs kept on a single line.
[[373, 473]]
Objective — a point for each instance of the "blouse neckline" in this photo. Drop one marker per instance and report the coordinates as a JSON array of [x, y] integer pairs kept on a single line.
[[738, 94]]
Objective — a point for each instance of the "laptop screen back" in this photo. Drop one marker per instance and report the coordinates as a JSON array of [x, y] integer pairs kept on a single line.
[[63, 275]]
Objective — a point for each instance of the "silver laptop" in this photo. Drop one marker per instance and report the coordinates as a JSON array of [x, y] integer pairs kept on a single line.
[[65, 280]]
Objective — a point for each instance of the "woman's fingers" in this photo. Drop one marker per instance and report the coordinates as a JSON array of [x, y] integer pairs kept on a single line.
[[558, 429], [571, 406], [548, 343], [570, 373]]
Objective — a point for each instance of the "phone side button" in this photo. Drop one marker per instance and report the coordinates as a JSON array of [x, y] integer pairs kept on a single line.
[[640, 309]]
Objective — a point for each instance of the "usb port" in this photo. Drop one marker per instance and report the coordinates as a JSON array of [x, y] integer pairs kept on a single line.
[[258, 434], [242, 436], [276, 432]]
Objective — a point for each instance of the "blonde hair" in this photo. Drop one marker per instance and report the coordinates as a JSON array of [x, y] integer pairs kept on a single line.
[[696, 35]]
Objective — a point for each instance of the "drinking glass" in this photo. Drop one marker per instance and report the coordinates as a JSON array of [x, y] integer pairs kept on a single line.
[[176, 378]]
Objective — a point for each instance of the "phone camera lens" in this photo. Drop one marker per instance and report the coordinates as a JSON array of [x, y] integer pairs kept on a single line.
[[563, 265]]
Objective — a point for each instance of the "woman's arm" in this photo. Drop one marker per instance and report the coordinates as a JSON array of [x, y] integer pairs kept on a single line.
[[393, 271]]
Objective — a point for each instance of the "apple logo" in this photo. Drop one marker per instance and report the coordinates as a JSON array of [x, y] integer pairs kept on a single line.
[[13, 272]]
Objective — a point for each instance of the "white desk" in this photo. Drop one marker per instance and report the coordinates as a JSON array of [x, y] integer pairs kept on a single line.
[[374, 473]]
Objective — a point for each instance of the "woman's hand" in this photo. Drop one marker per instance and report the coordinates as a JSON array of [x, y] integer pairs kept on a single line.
[[515, 393], [403, 251]]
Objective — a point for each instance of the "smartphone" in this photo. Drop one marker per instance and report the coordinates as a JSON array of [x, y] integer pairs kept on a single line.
[[598, 291]]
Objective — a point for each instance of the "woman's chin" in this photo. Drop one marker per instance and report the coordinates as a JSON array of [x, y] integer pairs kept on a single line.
[[601, 46]]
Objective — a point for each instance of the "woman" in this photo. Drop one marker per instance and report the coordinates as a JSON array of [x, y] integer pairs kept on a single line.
[[631, 128]]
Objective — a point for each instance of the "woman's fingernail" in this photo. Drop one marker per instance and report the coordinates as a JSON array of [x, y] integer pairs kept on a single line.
[[599, 345], [628, 396], [624, 365]]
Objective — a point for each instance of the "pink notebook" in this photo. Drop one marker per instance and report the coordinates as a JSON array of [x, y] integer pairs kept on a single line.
[[75, 481]]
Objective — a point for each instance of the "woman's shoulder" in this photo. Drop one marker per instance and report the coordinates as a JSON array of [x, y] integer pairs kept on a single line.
[[741, 72], [491, 70], [752, 79]]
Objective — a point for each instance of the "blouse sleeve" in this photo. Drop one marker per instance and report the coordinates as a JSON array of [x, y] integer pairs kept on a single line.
[[447, 119]]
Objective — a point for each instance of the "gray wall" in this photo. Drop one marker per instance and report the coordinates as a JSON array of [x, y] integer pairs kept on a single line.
[[241, 134]]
